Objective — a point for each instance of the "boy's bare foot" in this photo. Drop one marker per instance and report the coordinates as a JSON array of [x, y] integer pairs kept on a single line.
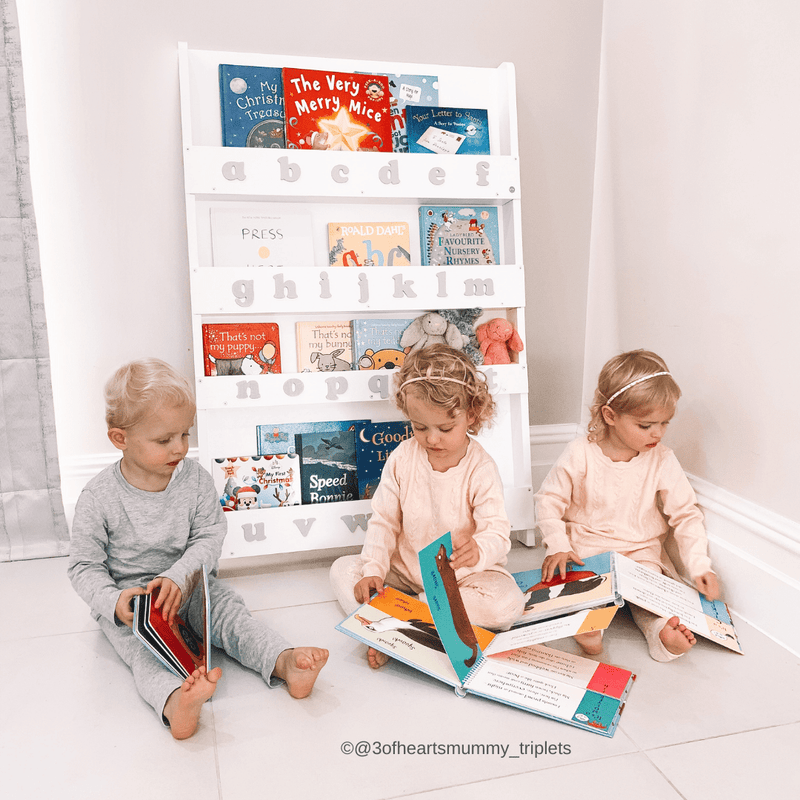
[[376, 658], [182, 708], [677, 638], [300, 667], [591, 643]]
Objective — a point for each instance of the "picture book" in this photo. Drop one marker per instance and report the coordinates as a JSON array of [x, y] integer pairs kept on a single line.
[[252, 237], [374, 442], [324, 346], [407, 91], [251, 100], [280, 437], [179, 647], [327, 110], [376, 343], [327, 466], [459, 235], [438, 639], [247, 482], [448, 131], [614, 578], [369, 244], [241, 348]]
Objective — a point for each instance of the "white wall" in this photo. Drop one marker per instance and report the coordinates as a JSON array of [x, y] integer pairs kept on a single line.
[[103, 115]]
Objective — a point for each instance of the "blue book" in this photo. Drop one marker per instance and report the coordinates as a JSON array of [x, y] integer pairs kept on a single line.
[[374, 443], [279, 437], [376, 343], [459, 235], [327, 466], [447, 131], [251, 99]]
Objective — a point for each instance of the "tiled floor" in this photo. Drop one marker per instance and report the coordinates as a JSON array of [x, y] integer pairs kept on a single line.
[[711, 725]]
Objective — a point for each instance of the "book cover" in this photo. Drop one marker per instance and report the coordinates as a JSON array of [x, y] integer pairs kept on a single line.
[[280, 437], [251, 100], [407, 91], [327, 110], [369, 244], [250, 237], [241, 348], [448, 131], [327, 466], [459, 235], [179, 647], [324, 346], [374, 443], [376, 343], [247, 482]]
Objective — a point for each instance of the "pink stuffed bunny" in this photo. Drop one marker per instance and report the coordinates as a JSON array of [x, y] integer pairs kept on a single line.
[[497, 339]]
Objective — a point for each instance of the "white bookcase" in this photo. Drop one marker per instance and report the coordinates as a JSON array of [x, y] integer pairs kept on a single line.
[[340, 186]]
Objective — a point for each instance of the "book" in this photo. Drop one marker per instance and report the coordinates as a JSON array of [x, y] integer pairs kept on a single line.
[[459, 235], [376, 343], [324, 346], [407, 91], [438, 639], [327, 466], [614, 578], [241, 348], [369, 244], [248, 482], [448, 131], [251, 237], [179, 647], [251, 100], [280, 437], [374, 442], [328, 110]]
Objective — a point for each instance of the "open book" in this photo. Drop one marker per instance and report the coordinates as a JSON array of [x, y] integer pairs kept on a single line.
[[613, 578], [507, 667], [177, 646]]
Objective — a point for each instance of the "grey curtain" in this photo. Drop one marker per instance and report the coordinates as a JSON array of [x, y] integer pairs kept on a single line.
[[32, 521]]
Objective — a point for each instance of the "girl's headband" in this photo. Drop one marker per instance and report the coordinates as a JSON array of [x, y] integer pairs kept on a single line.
[[431, 378], [633, 383]]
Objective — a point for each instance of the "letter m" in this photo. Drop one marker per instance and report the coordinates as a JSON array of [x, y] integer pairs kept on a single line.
[[478, 288]]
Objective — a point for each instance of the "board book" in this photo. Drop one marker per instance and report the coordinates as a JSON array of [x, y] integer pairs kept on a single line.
[[327, 466], [459, 235], [614, 578], [374, 443], [176, 645], [408, 91], [247, 482], [376, 343], [251, 100], [369, 244], [437, 639], [279, 437], [251, 237], [448, 131], [241, 348], [324, 346]]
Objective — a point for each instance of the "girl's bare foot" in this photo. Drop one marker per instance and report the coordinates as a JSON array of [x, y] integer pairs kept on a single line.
[[300, 667], [591, 643], [376, 658], [677, 638], [182, 708]]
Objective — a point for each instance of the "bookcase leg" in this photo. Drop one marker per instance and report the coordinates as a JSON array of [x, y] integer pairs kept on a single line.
[[527, 537]]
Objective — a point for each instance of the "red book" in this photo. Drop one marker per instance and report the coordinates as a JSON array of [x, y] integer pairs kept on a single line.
[[328, 110], [241, 348]]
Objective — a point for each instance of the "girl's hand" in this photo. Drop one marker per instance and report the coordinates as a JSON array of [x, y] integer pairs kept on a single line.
[[708, 585], [366, 586], [557, 562], [169, 597], [123, 610], [467, 554]]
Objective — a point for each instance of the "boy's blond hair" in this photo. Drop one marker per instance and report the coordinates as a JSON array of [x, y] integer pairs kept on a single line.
[[459, 388], [657, 392], [139, 387]]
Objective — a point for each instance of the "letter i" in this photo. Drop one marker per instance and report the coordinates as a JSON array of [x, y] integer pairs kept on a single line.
[[363, 284], [324, 286]]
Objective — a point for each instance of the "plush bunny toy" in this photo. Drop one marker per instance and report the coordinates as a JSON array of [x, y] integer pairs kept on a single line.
[[498, 339], [431, 328]]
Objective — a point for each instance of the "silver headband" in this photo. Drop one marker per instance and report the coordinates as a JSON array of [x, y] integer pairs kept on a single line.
[[633, 383], [431, 378]]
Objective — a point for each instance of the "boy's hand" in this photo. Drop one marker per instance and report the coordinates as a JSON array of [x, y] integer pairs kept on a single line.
[[708, 585], [557, 562], [364, 588], [169, 597], [467, 554], [123, 611]]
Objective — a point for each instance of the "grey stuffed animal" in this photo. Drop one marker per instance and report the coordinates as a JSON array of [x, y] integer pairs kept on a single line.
[[432, 328]]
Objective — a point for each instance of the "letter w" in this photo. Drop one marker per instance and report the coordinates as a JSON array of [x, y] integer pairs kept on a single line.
[[357, 521]]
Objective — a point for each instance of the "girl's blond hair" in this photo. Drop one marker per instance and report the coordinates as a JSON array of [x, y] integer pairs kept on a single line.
[[657, 392], [459, 388], [137, 388]]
